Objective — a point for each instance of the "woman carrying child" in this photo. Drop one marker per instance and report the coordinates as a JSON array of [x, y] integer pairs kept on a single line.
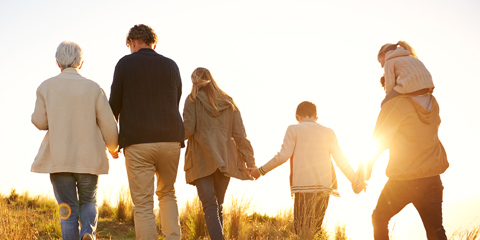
[[408, 126], [217, 147]]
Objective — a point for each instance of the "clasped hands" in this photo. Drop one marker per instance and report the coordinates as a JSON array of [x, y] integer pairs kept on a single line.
[[253, 172], [357, 187], [114, 153]]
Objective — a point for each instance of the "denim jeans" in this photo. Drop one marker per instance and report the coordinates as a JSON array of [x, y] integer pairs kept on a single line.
[[211, 191], [83, 206], [309, 210], [426, 194]]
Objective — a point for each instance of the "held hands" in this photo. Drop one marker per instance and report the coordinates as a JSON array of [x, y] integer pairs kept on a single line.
[[114, 153], [253, 172], [358, 186]]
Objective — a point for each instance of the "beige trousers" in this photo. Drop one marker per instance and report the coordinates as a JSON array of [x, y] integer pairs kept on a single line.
[[143, 161]]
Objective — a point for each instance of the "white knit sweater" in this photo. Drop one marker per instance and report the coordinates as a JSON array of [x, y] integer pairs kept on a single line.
[[80, 122], [404, 73], [311, 146]]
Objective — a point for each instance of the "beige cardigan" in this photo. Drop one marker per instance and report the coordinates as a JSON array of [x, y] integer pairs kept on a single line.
[[310, 148], [404, 73], [80, 123]]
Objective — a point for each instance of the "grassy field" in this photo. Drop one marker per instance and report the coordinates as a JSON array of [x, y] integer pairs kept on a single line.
[[36, 217]]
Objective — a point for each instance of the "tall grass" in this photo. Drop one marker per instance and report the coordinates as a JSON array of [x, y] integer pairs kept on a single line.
[[36, 217], [26, 217], [470, 234], [192, 220], [123, 211]]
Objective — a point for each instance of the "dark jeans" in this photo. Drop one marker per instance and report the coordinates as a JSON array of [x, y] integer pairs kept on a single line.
[[309, 210], [211, 191], [426, 194]]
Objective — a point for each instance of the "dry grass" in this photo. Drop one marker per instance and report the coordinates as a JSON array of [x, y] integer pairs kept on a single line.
[[192, 220], [124, 210], [470, 234], [25, 217]]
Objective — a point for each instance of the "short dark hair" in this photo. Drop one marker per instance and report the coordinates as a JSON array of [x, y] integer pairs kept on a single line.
[[142, 32], [306, 109]]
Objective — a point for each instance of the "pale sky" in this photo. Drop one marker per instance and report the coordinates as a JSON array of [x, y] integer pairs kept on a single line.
[[269, 56]]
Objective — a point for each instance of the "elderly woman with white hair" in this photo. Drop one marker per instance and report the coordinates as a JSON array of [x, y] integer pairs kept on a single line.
[[80, 125]]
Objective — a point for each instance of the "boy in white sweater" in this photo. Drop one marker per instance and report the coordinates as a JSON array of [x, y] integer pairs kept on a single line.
[[310, 146]]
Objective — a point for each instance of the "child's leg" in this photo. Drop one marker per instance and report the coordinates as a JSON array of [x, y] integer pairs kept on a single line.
[[299, 212], [321, 204]]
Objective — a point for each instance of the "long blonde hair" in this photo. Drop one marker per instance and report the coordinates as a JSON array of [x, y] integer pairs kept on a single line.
[[203, 80], [390, 46]]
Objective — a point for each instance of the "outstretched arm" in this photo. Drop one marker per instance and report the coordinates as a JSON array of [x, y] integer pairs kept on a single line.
[[285, 153]]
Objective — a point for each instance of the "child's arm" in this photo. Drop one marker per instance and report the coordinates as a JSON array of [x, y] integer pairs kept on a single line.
[[285, 153], [341, 160]]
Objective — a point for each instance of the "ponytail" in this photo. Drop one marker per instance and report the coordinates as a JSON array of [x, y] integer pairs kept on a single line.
[[390, 46], [407, 47]]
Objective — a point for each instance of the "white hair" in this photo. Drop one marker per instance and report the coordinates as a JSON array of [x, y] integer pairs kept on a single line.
[[69, 54]]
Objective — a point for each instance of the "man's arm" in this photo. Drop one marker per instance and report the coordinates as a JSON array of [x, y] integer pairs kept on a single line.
[[116, 91]]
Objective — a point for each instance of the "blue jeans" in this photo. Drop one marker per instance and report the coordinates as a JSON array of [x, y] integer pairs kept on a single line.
[[426, 194], [211, 191], [83, 206]]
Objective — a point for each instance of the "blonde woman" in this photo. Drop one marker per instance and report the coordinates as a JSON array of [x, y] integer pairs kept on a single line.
[[217, 147], [404, 72]]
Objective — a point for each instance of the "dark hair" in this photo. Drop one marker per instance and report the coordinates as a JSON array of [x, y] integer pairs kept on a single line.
[[306, 109], [142, 32]]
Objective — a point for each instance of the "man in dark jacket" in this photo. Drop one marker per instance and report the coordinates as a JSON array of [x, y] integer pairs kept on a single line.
[[145, 95]]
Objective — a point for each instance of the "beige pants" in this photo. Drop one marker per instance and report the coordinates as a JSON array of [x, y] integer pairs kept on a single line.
[[143, 161]]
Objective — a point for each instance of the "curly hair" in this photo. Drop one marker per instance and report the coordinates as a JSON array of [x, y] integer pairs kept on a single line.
[[142, 32]]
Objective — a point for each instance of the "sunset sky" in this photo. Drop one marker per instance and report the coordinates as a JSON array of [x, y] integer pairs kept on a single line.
[[269, 56]]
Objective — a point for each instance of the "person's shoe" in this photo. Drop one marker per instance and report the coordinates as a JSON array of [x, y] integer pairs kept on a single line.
[[87, 236]]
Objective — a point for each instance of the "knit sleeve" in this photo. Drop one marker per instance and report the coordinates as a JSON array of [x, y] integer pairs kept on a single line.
[[189, 118], [286, 152], [116, 90], [390, 77], [39, 116], [240, 136], [178, 81], [341, 160], [106, 121]]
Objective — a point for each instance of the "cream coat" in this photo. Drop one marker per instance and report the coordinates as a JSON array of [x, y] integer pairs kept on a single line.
[[216, 140], [79, 123]]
